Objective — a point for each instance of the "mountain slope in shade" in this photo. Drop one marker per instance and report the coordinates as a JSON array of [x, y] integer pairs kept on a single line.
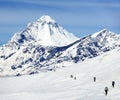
[[45, 31]]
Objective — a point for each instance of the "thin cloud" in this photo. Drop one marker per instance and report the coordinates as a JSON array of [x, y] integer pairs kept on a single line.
[[69, 3], [78, 16]]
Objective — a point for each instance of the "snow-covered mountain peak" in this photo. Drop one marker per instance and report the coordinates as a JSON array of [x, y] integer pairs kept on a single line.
[[103, 32], [45, 31], [46, 18], [106, 38], [38, 52]]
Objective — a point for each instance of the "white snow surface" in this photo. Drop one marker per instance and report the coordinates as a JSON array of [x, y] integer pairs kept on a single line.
[[59, 86], [45, 31]]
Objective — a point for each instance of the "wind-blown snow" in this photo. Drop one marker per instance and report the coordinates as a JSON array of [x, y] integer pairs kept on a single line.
[[59, 86]]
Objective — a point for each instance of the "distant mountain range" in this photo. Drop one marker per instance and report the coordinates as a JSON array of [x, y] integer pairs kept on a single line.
[[45, 46]]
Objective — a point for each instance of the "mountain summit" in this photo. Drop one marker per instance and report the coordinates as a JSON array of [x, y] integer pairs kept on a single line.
[[47, 19], [45, 31], [106, 38]]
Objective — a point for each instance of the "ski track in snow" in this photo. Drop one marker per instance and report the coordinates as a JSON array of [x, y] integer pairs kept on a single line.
[[59, 86]]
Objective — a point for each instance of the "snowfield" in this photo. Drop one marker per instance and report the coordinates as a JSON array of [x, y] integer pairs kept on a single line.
[[59, 85]]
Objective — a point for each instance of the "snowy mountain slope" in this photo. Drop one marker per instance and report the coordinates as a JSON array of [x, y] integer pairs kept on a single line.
[[45, 46], [59, 86], [93, 45], [106, 38], [35, 40], [45, 31], [30, 59]]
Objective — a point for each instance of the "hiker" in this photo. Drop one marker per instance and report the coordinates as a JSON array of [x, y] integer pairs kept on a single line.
[[75, 78], [71, 76], [94, 79], [113, 84], [106, 91]]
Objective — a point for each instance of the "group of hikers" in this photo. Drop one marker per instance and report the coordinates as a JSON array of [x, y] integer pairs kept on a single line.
[[74, 77], [94, 79], [106, 88]]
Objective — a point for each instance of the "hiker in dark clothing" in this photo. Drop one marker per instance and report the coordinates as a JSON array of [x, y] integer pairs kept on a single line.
[[113, 84], [94, 79], [106, 91], [71, 76], [74, 78]]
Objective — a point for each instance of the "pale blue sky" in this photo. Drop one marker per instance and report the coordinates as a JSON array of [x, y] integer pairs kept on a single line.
[[80, 17]]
